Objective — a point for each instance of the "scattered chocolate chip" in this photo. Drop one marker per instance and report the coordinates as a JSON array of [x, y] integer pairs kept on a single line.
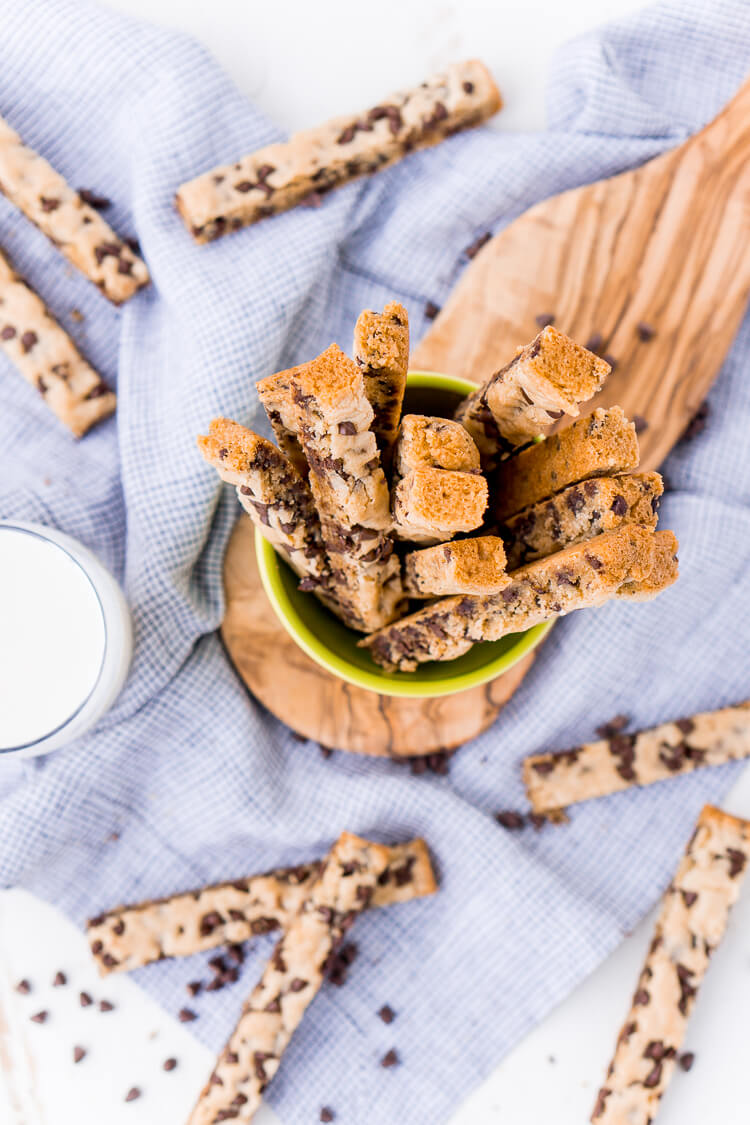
[[645, 331], [510, 819], [60, 980], [613, 727], [545, 319], [387, 1014], [697, 423], [595, 342], [236, 953], [85, 999], [610, 359], [78, 1054], [537, 821], [133, 244], [737, 861], [193, 987], [472, 250], [431, 310], [132, 1094], [325, 750], [186, 1016], [24, 987], [640, 423], [218, 964], [106, 1006], [390, 1058], [686, 1060], [169, 1064], [39, 1017], [327, 1114], [98, 202]]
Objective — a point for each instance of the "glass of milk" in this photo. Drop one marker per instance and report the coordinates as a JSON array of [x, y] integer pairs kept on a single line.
[[65, 639]]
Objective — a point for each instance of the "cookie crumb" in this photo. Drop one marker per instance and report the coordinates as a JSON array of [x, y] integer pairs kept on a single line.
[[327, 1114]]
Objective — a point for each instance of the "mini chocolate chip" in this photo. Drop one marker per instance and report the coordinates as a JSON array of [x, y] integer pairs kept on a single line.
[[236, 953], [537, 821], [8, 332], [98, 202], [106, 1006], [78, 1054], [347, 428], [387, 1014], [217, 964], [686, 1060], [28, 340], [614, 726], [610, 359], [510, 819], [132, 1094], [60, 979], [737, 860], [641, 997], [327, 1114], [543, 767], [653, 1077], [645, 331], [390, 1058], [685, 726], [39, 1017], [640, 423], [185, 1015], [119, 927], [619, 505], [468, 87], [545, 319], [594, 343], [431, 310], [48, 203], [169, 1064], [193, 987], [85, 1000], [697, 423], [24, 987], [689, 897]]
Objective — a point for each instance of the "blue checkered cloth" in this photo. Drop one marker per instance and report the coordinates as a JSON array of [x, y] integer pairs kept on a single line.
[[197, 780]]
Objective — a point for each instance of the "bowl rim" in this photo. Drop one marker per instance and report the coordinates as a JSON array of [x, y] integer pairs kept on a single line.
[[270, 574]]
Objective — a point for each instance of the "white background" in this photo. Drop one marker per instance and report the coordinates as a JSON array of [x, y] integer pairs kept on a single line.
[[302, 61]]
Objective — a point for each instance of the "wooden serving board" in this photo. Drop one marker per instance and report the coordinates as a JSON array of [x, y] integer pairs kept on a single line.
[[666, 245]]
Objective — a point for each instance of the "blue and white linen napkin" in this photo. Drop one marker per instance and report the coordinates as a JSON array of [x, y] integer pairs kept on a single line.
[[197, 781]]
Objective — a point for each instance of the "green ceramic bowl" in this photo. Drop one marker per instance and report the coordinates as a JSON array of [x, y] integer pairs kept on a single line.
[[334, 646]]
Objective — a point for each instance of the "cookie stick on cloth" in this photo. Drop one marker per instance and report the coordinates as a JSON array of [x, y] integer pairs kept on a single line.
[[77, 229], [579, 512], [47, 357], [280, 176], [550, 377], [381, 349], [580, 577], [624, 761], [598, 445], [131, 936], [290, 981], [693, 918]]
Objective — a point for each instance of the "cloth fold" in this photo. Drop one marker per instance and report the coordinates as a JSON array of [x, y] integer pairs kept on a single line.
[[186, 780]]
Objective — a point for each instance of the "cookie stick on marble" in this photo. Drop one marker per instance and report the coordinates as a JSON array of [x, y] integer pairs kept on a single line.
[[128, 937], [47, 358], [432, 505], [271, 491], [580, 577], [601, 444], [381, 350], [580, 512], [280, 176], [550, 377], [77, 229], [693, 918], [290, 981], [465, 566]]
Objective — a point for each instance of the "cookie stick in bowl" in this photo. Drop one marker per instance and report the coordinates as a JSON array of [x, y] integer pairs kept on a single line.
[[465, 566], [290, 981], [598, 445], [280, 176], [76, 228], [581, 577], [381, 350], [693, 918], [47, 357], [550, 377], [432, 505], [128, 937], [424, 441], [275, 393]]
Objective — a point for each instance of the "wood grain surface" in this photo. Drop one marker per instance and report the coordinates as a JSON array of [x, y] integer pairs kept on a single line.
[[661, 252]]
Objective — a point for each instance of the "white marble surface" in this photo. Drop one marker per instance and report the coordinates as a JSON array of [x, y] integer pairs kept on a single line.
[[300, 62]]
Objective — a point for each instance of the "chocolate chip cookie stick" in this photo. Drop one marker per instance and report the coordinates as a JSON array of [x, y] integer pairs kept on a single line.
[[290, 981], [550, 377], [663, 574], [280, 176], [609, 765], [47, 358], [77, 229], [271, 491], [275, 393], [466, 566], [693, 918], [598, 445], [436, 443], [131, 936], [431, 505], [580, 577], [381, 350], [580, 512]]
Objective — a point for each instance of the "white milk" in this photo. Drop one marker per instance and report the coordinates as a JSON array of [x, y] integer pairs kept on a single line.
[[65, 639]]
